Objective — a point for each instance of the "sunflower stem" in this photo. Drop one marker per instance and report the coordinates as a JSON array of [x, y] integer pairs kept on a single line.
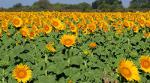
[[46, 61], [3, 79]]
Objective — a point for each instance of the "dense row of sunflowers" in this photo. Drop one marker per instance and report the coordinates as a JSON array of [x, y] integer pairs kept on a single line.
[[32, 24]]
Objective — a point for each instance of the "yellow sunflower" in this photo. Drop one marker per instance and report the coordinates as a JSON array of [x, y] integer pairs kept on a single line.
[[50, 47], [4, 25], [73, 28], [128, 70], [35, 28], [32, 34], [92, 45], [17, 22], [68, 40], [56, 23], [136, 29], [47, 28], [91, 27], [22, 73], [24, 31], [147, 35], [145, 63]]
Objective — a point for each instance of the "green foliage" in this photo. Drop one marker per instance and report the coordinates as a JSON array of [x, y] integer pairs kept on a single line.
[[137, 4], [41, 4], [79, 63], [107, 4]]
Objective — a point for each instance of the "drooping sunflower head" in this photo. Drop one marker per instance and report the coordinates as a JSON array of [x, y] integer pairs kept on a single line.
[[146, 34], [68, 40], [145, 63], [50, 47], [17, 22], [135, 29], [91, 27], [92, 45], [128, 70], [70, 81], [22, 73]]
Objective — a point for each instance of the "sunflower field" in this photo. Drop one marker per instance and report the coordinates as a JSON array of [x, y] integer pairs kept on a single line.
[[74, 47]]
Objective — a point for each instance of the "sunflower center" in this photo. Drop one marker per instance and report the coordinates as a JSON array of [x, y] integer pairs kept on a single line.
[[55, 23], [93, 45], [16, 22], [72, 28], [32, 34], [46, 28], [126, 72], [24, 33], [4, 24], [68, 41], [145, 64], [21, 74]]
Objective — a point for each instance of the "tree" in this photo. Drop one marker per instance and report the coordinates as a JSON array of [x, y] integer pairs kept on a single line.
[[84, 6], [107, 4], [136, 4], [18, 5], [42, 4]]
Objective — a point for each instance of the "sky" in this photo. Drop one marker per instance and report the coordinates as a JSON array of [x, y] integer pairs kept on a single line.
[[10, 3]]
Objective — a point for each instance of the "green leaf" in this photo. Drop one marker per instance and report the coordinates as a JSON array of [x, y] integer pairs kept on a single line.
[[76, 60], [46, 79]]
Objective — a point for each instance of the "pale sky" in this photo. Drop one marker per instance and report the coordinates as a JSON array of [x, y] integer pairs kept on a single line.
[[10, 3]]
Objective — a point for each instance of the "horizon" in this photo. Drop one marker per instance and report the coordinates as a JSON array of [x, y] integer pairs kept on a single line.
[[9, 3]]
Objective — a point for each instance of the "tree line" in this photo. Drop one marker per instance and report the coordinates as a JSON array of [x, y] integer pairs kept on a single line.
[[97, 5]]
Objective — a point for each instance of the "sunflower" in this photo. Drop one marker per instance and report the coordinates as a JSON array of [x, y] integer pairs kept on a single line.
[[128, 70], [47, 29], [73, 28], [91, 27], [68, 40], [92, 45], [17, 22], [135, 29], [35, 28], [4, 25], [146, 35], [70, 81], [50, 47], [24, 31], [126, 23], [32, 34], [145, 63], [56, 23], [148, 23], [22, 73]]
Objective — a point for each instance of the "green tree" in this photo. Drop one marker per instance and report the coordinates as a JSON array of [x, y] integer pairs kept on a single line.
[[137, 4], [81, 6], [84, 6], [59, 6], [18, 5], [107, 4], [42, 4]]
